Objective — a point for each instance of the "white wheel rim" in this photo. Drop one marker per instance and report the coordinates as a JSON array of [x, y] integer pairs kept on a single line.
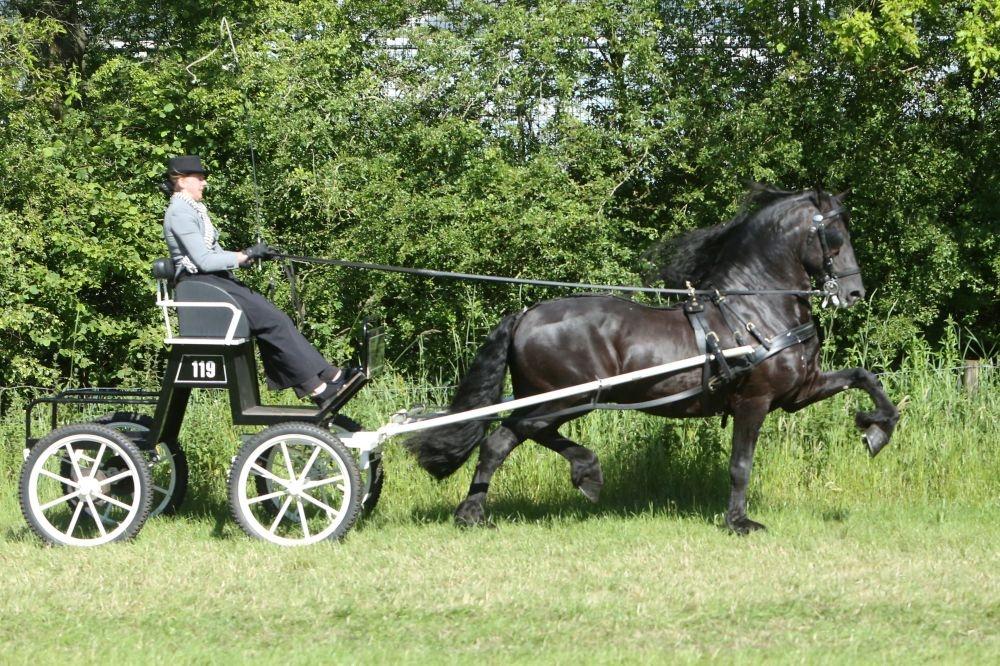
[[92, 502], [164, 464], [309, 483]]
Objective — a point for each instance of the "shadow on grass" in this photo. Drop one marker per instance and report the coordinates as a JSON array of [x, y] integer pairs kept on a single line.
[[656, 474], [675, 469]]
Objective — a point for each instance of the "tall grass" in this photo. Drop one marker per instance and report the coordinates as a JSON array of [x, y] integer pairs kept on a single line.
[[944, 451]]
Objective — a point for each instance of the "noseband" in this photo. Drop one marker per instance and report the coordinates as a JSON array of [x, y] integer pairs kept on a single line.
[[831, 285]]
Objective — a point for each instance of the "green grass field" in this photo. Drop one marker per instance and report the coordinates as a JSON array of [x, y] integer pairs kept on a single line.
[[891, 559]]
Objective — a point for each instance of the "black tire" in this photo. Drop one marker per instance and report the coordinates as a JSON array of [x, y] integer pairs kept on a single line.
[[373, 489], [331, 482], [123, 505], [165, 472]]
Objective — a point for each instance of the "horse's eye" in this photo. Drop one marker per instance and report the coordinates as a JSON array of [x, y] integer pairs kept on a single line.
[[835, 239]]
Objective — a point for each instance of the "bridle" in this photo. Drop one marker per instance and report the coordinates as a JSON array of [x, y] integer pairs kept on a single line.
[[831, 284]]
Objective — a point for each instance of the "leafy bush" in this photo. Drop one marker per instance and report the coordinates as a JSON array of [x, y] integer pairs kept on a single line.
[[545, 139]]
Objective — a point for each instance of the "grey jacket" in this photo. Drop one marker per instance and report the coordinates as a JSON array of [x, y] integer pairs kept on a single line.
[[193, 240]]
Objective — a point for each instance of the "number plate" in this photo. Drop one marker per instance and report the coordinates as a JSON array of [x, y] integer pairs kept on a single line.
[[202, 369]]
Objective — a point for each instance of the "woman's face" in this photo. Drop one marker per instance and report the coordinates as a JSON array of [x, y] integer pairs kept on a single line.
[[192, 184]]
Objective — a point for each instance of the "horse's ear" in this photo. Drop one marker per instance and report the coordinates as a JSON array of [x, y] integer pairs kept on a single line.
[[839, 198]]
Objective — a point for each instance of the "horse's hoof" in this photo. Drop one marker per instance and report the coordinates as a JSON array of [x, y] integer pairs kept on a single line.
[[469, 514], [875, 439], [744, 525], [591, 489]]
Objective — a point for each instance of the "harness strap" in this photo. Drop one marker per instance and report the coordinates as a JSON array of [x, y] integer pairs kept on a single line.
[[708, 343], [781, 342], [720, 302], [648, 404]]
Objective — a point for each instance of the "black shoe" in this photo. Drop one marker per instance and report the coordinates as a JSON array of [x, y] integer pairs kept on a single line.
[[335, 387]]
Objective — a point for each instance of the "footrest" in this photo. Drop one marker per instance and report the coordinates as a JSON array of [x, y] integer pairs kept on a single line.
[[352, 386]]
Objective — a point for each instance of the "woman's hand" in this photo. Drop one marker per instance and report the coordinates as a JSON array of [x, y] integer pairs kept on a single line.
[[261, 251]]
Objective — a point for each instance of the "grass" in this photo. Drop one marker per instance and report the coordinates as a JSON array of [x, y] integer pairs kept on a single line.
[[890, 559], [878, 585]]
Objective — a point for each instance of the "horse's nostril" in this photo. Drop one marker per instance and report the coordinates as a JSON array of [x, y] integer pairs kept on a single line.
[[856, 295]]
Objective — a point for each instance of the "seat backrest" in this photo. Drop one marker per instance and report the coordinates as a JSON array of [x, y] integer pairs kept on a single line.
[[206, 322], [164, 269]]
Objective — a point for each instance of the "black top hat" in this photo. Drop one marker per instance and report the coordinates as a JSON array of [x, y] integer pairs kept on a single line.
[[186, 164]]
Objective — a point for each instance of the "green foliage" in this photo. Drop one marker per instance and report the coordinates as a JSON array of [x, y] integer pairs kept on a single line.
[[545, 139]]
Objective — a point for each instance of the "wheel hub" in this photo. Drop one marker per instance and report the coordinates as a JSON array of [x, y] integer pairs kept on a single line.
[[89, 487]]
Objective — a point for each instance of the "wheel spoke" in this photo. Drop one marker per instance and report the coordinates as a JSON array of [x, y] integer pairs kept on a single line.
[[97, 459], [162, 491], [326, 507], [302, 519], [325, 482], [281, 514], [105, 517], [288, 461], [260, 471], [96, 515], [73, 461], [308, 466], [61, 479], [74, 519], [264, 498], [64, 498], [112, 500], [116, 477]]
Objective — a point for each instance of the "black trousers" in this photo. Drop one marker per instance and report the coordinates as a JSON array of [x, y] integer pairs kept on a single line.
[[289, 359]]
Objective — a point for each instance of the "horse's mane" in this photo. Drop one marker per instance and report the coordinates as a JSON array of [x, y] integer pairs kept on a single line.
[[690, 257]]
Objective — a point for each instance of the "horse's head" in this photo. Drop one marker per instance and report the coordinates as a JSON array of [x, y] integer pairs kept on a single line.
[[762, 246], [827, 254]]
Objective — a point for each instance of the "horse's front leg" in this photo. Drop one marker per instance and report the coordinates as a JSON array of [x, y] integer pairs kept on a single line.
[[747, 420], [878, 425]]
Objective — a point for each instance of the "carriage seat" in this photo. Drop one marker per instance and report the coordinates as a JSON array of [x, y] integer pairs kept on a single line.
[[205, 313]]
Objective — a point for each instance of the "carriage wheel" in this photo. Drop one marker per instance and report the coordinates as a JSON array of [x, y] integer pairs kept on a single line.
[[167, 462], [374, 476], [313, 478], [85, 485]]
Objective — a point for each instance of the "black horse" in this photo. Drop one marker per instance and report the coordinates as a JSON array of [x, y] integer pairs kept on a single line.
[[781, 241]]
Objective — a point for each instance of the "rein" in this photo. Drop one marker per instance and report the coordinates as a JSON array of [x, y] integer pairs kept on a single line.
[[473, 277]]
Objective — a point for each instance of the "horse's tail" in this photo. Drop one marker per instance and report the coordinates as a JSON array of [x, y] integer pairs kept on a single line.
[[442, 450]]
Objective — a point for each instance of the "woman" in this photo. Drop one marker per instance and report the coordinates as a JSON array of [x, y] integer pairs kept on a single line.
[[289, 360]]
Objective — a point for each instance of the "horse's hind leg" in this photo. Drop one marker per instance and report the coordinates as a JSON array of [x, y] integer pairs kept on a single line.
[[492, 452], [585, 469]]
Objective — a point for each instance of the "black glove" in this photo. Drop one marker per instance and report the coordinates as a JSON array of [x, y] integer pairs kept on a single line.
[[261, 251]]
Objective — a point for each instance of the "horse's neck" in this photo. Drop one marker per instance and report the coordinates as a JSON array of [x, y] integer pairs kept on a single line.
[[773, 313]]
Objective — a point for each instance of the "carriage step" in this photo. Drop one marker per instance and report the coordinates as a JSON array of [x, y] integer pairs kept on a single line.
[[282, 411]]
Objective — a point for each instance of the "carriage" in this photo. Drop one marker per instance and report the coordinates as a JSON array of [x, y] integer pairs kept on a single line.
[[310, 473], [86, 484]]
